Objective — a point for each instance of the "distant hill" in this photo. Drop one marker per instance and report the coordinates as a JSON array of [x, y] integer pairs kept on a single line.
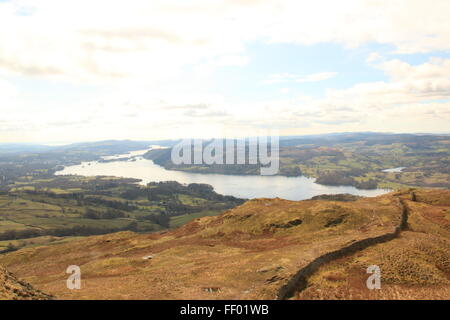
[[112, 146], [105, 147], [8, 148], [264, 249], [356, 159]]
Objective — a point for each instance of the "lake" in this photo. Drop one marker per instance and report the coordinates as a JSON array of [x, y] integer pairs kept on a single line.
[[292, 188]]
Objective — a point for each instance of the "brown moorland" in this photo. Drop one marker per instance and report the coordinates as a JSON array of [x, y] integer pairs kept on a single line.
[[415, 265], [12, 288], [260, 250]]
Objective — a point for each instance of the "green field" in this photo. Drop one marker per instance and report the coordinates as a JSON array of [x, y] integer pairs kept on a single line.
[[39, 212], [178, 221]]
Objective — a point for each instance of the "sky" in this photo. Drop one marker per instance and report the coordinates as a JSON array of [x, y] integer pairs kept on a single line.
[[164, 69]]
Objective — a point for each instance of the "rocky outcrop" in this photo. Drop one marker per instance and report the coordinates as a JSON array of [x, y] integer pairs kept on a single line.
[[12, 288]]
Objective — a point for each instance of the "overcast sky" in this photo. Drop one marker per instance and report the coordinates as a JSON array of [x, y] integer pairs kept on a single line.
[[105, 69]]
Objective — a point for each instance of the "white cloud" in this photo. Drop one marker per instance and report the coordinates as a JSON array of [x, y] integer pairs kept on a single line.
[[416, 98], [409, 84], [435, 68], [147, 46], [84, 42], [7, 90], [153, 40], [411, 26], [8, 95], [374, 56], [287, 77]]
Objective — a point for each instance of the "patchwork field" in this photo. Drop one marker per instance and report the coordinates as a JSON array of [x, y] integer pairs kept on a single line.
[[41, 213]]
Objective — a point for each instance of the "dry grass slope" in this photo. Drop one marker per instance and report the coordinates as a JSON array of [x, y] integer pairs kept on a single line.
[[416, 265], [252, 251], [13, 289]]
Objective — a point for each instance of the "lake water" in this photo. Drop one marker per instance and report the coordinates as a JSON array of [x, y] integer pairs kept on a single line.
[[292, 188]]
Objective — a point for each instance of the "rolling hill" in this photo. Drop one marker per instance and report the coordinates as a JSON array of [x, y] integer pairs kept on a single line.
[[263, 249]]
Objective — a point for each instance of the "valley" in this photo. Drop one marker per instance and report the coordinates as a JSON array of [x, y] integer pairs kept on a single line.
[[136, 238], [66, 207]]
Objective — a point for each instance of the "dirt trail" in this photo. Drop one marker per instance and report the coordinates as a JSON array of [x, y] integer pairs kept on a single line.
[[299, 281]]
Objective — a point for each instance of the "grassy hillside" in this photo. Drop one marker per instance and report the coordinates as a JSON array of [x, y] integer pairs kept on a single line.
[[254, 250], [67, 206], [414, 266]]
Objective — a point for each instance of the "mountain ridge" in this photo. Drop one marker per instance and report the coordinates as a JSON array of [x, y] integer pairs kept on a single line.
[[254, 250]]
